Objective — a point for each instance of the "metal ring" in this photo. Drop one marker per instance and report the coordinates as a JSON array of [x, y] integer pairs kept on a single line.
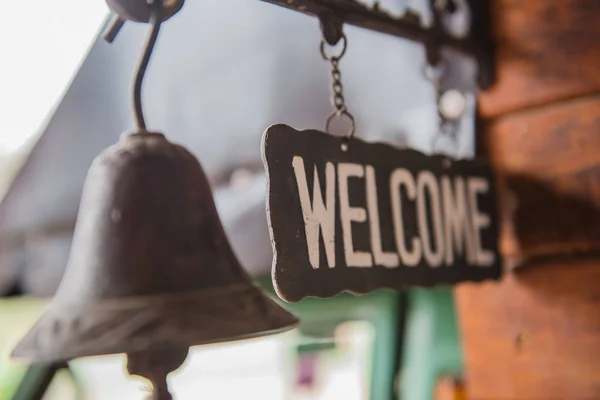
[[338, 114], [332, 58]]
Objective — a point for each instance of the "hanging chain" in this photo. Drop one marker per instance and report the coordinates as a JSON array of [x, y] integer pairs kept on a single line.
[[338, 100], [336, 75]]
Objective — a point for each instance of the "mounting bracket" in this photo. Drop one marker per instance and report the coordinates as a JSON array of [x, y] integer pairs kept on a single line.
[[477, 42]]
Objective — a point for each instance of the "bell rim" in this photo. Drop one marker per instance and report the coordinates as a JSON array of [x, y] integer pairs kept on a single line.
[[24, 357], [262, 316]]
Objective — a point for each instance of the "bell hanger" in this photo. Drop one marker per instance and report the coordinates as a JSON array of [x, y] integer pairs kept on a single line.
[[151, 272]]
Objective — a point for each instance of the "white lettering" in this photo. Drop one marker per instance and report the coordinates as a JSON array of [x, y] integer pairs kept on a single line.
[[385, 259], [426, 182], [479, 220], [317, 217], [402, 177], [351, 214], [459, 238]]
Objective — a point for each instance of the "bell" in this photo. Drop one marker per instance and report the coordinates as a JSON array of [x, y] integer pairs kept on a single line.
[[151, 271]]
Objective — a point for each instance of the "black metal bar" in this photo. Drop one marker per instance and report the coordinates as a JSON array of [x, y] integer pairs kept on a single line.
[[409, 26], [113, 29], [483, 45]]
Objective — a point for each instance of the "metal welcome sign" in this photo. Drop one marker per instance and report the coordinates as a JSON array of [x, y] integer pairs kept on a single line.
[[356, 216]]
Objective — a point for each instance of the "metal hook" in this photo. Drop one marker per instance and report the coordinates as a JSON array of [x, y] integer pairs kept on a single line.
[[155, 21], [153, 12]]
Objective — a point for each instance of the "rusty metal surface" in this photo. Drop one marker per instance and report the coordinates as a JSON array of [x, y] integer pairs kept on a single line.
[[216, 97]]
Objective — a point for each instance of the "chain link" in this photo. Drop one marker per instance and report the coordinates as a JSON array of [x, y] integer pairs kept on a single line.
[[338, 88], [338, 100]]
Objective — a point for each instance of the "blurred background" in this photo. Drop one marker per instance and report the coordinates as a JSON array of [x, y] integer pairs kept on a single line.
[[222, 72]]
